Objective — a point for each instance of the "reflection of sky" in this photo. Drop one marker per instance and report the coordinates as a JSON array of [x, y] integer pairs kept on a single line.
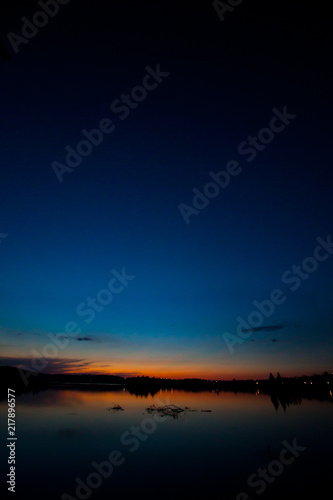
[[119, 207], [61, 432]]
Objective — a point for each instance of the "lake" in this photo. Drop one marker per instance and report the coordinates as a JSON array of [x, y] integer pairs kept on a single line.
[[65, 434]]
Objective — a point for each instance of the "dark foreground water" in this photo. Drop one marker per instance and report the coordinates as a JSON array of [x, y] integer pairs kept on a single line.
[[67, 434]]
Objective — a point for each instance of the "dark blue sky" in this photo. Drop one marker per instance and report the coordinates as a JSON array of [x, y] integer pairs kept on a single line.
[[120, 207]]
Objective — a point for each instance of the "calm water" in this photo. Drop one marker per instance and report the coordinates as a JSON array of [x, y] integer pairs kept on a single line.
[[200, 454]]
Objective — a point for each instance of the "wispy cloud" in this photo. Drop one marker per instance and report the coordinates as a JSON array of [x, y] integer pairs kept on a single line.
[[87, 339], [269, 328], [263, 340], [56, 365]]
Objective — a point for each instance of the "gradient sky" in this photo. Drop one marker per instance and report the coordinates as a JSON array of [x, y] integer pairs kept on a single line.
[[119, 208]]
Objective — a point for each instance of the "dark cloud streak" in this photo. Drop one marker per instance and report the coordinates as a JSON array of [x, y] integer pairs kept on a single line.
[[87, 339], [269, 328], [56, 365]]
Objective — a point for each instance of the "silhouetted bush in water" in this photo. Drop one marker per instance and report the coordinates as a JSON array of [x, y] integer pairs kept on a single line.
[[167, 410], [116, 407], [170, 410]]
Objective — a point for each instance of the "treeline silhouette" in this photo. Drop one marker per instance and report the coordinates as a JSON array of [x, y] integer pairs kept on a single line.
[[283, 391], [21, 381]]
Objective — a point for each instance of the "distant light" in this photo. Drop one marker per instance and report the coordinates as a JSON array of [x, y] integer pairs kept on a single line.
[[310, 382], [304, 382], [257, 382]]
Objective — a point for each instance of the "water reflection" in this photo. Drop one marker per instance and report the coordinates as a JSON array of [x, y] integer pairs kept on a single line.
[[63, 431], [284, 401]]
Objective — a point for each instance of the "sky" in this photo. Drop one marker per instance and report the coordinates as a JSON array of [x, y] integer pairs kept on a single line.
[[189, 234]]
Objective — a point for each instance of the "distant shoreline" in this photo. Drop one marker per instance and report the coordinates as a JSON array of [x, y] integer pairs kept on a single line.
[[279, 388], [53, 384]]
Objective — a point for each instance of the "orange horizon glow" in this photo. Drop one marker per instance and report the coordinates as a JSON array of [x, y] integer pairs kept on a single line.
[[180, 375], [127, 366], [154, 361], [169, 374]]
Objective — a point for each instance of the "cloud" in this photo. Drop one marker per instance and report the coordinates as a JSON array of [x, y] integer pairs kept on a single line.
[[10, 331], [269, 328], [256, 340], [106, 337], [86, 339], [54, 365]]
